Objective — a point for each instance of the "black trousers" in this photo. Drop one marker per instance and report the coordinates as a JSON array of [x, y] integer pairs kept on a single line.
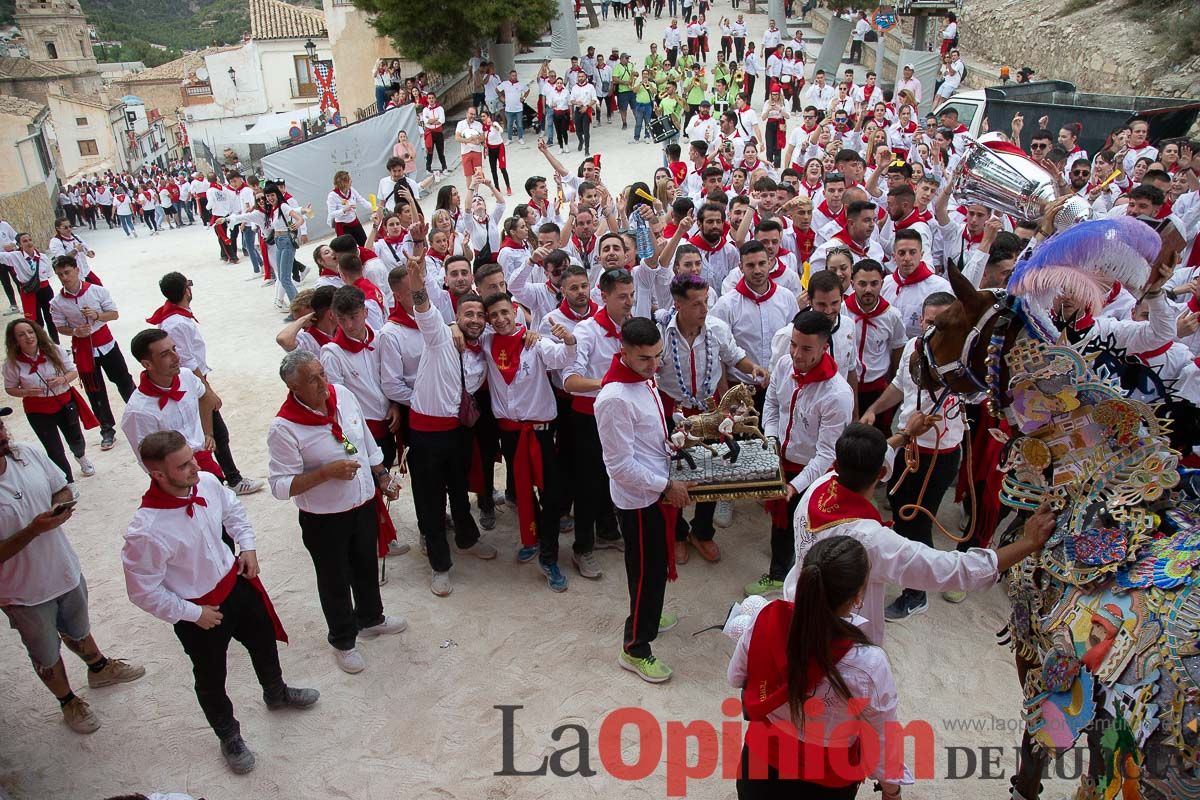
[[548, 501], [772, 136], [563, 438], [437, 468], [750, 85], [7, 278], [227, 246], [494, 163], [113, 365], [222, 452], [783, 543], [244, 618], [583, 129], [107, 211], [486, 435], [646, 573], [856, 51], [562, 124], [943, 472], [355, 229], [439, 144], [739, 47], [772, 787], [594, 512], [41, 311], [883, 421], [344, 547], [387, 443], [205, 214], [48, 426]]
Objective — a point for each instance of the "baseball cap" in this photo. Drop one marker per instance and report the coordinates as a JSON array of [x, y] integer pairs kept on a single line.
[[910, 66], [705, 103]]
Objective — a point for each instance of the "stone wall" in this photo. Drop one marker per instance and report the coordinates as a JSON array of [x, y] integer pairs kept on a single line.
[[30, 211]]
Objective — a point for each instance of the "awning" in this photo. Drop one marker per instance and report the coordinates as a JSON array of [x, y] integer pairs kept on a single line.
[[270, 128]]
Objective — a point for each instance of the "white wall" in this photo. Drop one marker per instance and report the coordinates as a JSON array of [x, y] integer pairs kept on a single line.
[[279, 71]]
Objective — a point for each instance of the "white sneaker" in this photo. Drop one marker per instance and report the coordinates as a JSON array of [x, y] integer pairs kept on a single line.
[[85, 467], [440, 584], [74, 490], [723, 515], [388, 626], [397, 548], [350, 661], [248, 486]]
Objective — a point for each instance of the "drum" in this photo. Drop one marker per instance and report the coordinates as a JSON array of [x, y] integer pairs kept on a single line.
[[663, 129]]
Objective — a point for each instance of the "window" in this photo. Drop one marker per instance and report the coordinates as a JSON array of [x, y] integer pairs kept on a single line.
[[51, 50], [306, 82], [81, 122], [87, 147]]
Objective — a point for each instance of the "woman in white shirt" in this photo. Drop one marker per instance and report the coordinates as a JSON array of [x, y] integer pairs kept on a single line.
[[806, 668], [41, 373], [279, 223], [949, 33], [341, 204], [497, 159], [751, 69], [558, 100], [147, 198]]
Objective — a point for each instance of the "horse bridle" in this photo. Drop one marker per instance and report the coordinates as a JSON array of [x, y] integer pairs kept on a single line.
[[944, 374]]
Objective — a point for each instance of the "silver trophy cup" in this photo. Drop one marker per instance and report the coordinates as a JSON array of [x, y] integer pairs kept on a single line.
[[1004, 182]]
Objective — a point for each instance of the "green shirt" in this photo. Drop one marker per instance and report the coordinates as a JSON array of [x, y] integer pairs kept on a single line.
[[671, 107], [654, 61], [623, 76], [721, 72], [645, 92], [684, 63], [695, 92]]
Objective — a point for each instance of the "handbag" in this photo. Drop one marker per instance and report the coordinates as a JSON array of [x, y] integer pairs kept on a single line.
[[35, 281], [468, 410]]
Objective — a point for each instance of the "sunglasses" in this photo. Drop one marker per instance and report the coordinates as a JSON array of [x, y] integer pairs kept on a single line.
[[1083, 172], [1039, 146], [834, 176]]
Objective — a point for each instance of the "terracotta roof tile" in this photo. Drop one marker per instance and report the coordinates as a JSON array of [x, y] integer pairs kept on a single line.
[[19, 107], [175, 70], [274, 19]]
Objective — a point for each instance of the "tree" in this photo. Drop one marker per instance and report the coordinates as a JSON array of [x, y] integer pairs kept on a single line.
[[441, 36]]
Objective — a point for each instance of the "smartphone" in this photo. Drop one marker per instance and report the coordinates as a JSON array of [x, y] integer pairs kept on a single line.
[[62, 508]]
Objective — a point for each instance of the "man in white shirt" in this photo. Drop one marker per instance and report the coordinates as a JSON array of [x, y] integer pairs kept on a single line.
[[42, 589], [178, 569], [514, 104], [857, 34], [323, 457], [433, 121], [772, 36], [953, 71], [220, 203], [878, 333], [396, 185], [672, 38], [738, 31], [469, 134], [583, 105], [633, 437], [908, 82], [913, 281], [819, 93]]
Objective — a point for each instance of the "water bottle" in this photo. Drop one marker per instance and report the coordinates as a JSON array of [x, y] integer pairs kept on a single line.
[[643, 237]]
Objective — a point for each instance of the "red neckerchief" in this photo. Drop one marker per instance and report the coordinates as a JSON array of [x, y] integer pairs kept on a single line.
[[833, 503], [319, 336], [120, 198], [508, 241], [971, 238], [1155, 353], [152, 389], [1113, 292], [704, 246], [555, 293], [960, 129], [811, 189], [294, 411], [919, 274], [338, 192], [854, 246], [866, 317], [168, 310], [396, 240], [33, 363], [805, 241], [570, 314], [83, 287], [402, 317], [913, 218], [581, 249], [779, 264], [350, 345], [543, 210], [1075, 149], [370, 290], [746, 291], [157, 497], [605, 322], [746, 166], [823, 371], [839, 217], [506, 353]]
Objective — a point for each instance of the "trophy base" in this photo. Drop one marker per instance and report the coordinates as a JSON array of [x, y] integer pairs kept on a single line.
[[756, 475]]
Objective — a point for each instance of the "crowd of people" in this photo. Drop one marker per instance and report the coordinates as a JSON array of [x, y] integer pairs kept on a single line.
[[801, 250]]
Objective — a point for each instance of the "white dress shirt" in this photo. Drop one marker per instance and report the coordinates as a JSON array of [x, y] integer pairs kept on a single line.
[[71, 247], [690, 371], [909, 300], [400, 349], [171, 558], [360, 373], [17, 374], [342, 209], [841, 346], [594, 351], [66, 311], [143, 417], [633, 435], [529, 398], [816, 416], [189, 342], [874, 341], [443, 372], [754, 324], [295, 449], [47, 567]]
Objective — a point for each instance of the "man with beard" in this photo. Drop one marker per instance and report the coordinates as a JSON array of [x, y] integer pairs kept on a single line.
[[718, 255], [634, 440], [913, 281], [878, 335], [855, 236], [523, 404], [459, 281], [440, 446], [540, 298], [42, 589], [903, 215], [825, 295]]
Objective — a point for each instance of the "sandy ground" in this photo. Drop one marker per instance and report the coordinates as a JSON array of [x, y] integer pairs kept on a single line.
[[420, 722]]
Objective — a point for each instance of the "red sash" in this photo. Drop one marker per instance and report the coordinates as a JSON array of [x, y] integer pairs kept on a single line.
[[54, 403], [225, 586], [527, 473]]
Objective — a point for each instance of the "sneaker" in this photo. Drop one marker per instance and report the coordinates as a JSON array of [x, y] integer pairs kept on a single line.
[[85, 467], [723, 514], [74, 490], [440, 584], [666, 621], [389, 625], [527, 554], [237, 754], [292, 698], [954, 597], [707, 548], [13, 310], [269, 282], [487, 519], [107, 442], [764, 585], [649, 669], [397, 548], [633, 141], [509, 191], [305, 272], [566, 524], [248, 486], [906, 605], [586, 564], [603, 543], [499, 498], [554, 577], [521, 141], [350, 661], [115, 671], [681, 551], [79, 717], [481, 550]]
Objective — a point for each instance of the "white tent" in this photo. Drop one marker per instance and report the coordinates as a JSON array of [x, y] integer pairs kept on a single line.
[[270, 128]]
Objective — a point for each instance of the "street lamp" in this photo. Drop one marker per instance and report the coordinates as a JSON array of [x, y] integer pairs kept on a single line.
[[311, 49], [233, 77]]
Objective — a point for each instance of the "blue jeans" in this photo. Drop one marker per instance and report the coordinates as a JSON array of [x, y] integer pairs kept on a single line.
[[250, 245], [126, 223], [642, 112], [514, 125], [285, 254], [381, 98]]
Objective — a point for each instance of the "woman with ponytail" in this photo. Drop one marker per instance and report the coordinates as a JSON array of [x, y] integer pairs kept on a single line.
[[812, 681], [1068, 139]]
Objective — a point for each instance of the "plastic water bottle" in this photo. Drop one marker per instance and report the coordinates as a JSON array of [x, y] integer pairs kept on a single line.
[[643, 237]]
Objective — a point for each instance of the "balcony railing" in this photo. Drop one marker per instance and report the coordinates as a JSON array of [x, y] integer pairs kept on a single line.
[[197, 94]]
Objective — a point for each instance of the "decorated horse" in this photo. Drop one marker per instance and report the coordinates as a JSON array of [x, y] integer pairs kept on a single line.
[[705, 425], [1105, 620]]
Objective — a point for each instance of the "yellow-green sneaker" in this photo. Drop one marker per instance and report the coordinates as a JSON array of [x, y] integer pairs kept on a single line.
[[954, 597], [764, 585], [666, 621], [649, 669]]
